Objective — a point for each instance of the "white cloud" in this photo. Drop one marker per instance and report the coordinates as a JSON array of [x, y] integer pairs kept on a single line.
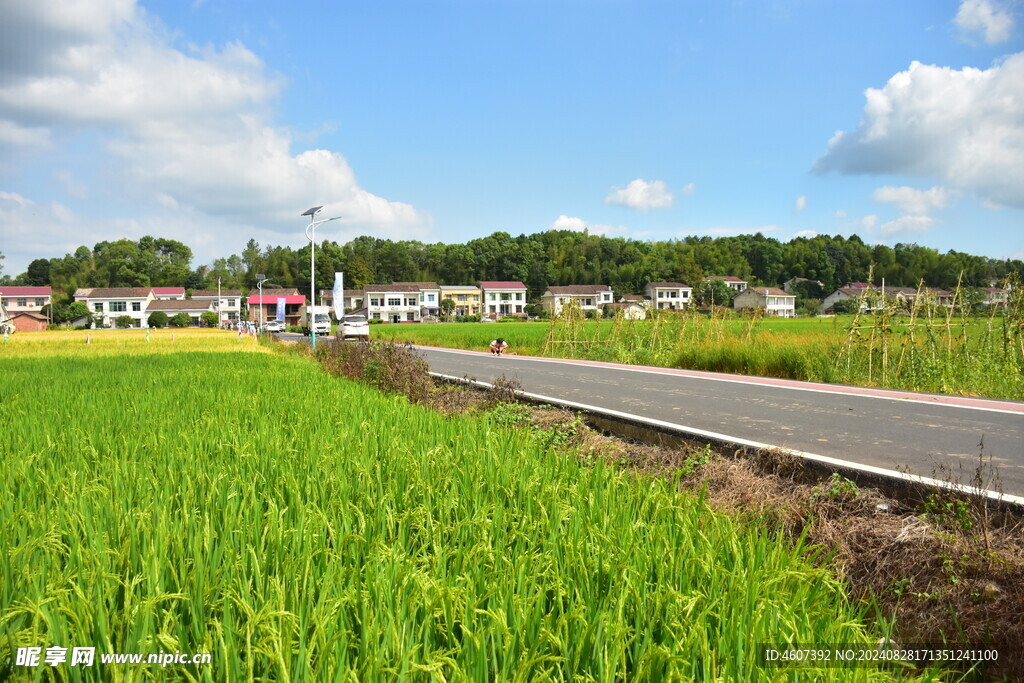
[[913, 201], [564, 222], [840, 213], [908, 224], [988, 18], [641, 194], [869, 222], [188, 132], [689, 189], [805, 233], [800, 204], [964, 127]]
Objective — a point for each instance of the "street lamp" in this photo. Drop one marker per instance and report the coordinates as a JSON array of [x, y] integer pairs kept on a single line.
[[262, 277], [310, 230]]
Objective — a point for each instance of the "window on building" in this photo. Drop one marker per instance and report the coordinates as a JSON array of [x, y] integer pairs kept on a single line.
[[394, 302], [374, 302], [476, 297], [118, 306], [421, 297], [461, 297], [231, 303], [430, 298], [136, 306], [98, 307], [588, 302], [519, 296], [493, 295], [40, 302], [410, 316], [410, 302], [493, 309], [519, 309], [23, 302]]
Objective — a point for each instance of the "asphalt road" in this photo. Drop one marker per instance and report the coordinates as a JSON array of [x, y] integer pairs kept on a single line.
[[885, 429], [879, 428]]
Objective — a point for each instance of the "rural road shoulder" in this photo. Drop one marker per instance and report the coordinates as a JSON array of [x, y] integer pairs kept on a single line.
[[876, 428]]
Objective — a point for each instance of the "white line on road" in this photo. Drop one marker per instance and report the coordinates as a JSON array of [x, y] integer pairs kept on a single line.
[[693, 431]]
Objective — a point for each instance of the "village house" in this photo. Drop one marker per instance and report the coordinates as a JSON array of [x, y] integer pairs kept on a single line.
[[773, 300], [265, 307], [630, 310], [589, 297], [402, 301], [228, 306], [673, 296], [503, 298], [110, 303], [169, 293], [467, 298], [731, 280], [24, 299]]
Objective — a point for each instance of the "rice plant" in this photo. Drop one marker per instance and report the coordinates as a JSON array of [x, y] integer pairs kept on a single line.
[[301, 527]]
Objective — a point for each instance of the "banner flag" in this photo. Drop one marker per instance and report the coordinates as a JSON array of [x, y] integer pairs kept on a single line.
[[280, 308], [339, 295]]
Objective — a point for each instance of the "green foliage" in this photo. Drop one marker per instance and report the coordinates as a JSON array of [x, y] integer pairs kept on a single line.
[[158, 319], [208, 319], [181, 320], [357, 537], [124, 321], [447, 306]]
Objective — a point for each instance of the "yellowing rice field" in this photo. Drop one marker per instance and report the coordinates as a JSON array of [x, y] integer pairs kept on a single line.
[[206, 496]]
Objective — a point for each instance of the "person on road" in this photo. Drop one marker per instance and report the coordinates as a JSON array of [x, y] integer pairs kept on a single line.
[[498, 346]]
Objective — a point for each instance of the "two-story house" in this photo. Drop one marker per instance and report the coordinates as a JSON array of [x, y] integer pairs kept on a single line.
[[429, 295], [731, 280], [353, 299], [503, 298], [669, 295], [169, 293], [395, 303], [228, 306], [110, 303], [24, 299], [773, 300], [467, 298], [589, 297], [264, 307]]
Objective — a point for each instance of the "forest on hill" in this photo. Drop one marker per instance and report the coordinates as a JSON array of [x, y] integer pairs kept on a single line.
[[554, 257]]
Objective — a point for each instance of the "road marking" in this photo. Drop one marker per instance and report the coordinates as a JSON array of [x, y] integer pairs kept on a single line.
[[693, 431], [969, 403]]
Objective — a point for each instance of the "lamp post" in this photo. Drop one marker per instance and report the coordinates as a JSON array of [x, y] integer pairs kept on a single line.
[[262, 277], [310, 235]]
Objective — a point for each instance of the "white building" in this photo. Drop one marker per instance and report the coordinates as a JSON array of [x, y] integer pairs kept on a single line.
[[230, 302], [731, 280], [669, 295], [503, 298], [110, 303], [402, 301], [589, 297], [773, 300]]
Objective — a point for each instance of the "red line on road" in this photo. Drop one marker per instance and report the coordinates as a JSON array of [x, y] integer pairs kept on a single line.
[[869, 392]]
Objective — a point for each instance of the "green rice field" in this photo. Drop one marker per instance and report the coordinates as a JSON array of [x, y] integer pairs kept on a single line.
[[208, 496]]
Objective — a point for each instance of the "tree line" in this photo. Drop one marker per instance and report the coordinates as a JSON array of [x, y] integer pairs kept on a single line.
[[554, 257]]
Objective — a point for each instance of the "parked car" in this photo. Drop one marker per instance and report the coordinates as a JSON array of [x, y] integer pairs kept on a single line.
[[274, 326], [355, 326]]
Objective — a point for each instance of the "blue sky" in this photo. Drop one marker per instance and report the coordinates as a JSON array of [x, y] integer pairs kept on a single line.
[[215, 121]]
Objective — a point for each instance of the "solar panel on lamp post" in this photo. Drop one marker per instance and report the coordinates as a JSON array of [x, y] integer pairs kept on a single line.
[[310, 235]]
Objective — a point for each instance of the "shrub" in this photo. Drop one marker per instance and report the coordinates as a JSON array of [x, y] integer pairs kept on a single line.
[[181, 320], [157, 319], [466, 319], [124, 321], [208, 319]]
